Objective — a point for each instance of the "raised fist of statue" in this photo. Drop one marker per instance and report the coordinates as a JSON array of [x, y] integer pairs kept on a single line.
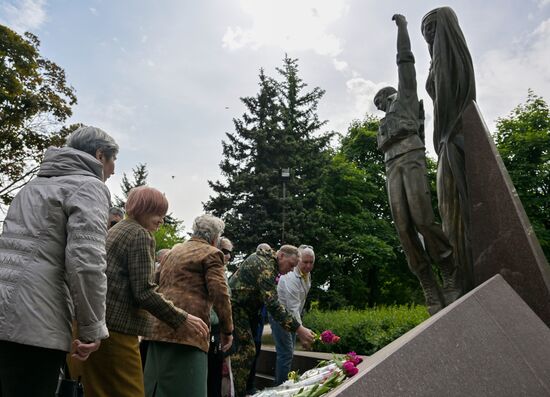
[[399, 19]]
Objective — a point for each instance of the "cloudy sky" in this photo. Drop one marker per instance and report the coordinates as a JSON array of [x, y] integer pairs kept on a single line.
[[164, 77]]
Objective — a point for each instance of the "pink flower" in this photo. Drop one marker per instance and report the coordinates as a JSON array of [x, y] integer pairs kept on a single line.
[[328, 337], [354, 358], [349, 368]]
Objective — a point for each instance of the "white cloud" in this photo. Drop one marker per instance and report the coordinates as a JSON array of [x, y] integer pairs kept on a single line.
[[543, 3], [356, 104], [504, 75], [119, 119], [236, 38], [362, 92], [93, 11], [23, 15], [290, 25], [339, 65]]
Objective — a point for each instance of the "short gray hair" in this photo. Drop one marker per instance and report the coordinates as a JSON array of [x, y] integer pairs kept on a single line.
[[224, 241], [116, 211], [289, 250], [306, 250], [92, 139], [208, 227]]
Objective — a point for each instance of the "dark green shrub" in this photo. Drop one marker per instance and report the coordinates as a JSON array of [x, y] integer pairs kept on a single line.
[[364, 331]]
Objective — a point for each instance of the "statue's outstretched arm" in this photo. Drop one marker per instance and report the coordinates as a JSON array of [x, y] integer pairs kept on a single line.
[[405, 58], [403, 40]]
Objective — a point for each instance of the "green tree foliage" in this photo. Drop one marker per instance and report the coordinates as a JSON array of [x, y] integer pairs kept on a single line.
[[365, 331], [170, 232], [139, 178], [250, 192], [335, 199], [523, 140], [280, 129], [35, 100], [304, 150]]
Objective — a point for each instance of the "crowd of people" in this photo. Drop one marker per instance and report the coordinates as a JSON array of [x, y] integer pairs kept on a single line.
[[83, 289]]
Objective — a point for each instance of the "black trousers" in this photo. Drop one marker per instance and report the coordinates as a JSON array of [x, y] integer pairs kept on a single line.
[[29, 371], [143, 346], [215, 363]]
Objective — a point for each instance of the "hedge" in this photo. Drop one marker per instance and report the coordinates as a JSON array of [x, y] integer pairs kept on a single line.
[[364, 331]]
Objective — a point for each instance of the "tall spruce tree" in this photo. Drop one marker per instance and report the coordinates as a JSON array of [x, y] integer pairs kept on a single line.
[[248, 198], [139, 176], [304, 151], [279, 130]]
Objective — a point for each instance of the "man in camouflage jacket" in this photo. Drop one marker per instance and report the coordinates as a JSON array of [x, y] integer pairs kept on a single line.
[[252, 286]]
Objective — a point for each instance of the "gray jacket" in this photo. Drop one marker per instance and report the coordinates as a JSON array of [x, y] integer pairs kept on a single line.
[[52, 253]]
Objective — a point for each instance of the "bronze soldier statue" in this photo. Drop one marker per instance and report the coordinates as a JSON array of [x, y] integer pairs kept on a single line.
[[401, 138]]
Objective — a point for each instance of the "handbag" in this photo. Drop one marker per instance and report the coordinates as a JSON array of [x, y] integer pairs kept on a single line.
[[67, 387]]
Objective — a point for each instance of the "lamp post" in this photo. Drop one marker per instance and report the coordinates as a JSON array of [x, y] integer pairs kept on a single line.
[[285, 176]]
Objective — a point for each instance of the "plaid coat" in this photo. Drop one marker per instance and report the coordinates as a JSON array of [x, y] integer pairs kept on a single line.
[[192, 276], [131, 292]]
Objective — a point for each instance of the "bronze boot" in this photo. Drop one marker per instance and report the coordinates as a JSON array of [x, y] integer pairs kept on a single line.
[[451, 284], [432, 292]]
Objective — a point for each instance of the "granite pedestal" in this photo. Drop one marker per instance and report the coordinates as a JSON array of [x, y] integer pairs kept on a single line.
[[502, 238], [487, 343]]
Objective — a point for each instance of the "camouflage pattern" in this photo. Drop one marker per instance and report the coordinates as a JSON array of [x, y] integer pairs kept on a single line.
[[244, 348], [252, 286]]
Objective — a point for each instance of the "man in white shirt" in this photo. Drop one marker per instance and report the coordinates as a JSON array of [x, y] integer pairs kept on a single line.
[[292, 290]]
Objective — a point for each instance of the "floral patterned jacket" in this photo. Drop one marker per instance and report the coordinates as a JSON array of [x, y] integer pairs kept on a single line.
[[192, 276]]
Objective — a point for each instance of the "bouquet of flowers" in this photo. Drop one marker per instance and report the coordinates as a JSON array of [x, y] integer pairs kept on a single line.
[[328, 337], [317, 381]]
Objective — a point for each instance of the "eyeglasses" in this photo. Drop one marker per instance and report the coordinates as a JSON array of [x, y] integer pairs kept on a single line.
[[226, 251], [304, 246]]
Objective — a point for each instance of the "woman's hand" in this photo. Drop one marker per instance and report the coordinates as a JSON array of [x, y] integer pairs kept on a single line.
[[81, 351], [197, 326]]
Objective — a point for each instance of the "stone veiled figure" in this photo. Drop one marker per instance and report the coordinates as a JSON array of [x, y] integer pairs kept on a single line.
[[451, 85], [401, 138]]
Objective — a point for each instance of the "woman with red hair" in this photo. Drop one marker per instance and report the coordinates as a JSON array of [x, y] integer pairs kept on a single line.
[[115, 369]]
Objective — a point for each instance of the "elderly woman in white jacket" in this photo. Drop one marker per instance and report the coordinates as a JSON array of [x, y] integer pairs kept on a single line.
[[52, 264], [292, 290]]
